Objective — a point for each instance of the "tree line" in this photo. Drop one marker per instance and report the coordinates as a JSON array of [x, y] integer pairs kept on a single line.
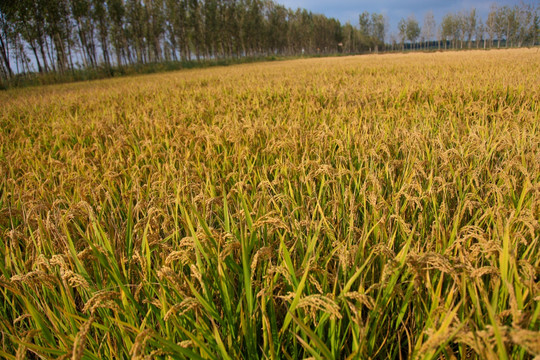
[[513, 26], [62, 35], [59, 36]]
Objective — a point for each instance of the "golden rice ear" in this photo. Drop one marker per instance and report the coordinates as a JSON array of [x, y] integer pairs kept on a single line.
[[316, 302], [80, 340], [138, 348], [22, 348], [101, 299], [180, 309], [528, 339]]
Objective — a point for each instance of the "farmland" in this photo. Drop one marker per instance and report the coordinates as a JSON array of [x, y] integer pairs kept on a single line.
[[381, 206]]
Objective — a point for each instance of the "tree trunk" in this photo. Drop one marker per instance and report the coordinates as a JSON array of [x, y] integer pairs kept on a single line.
[[43, 56], [34, 50], [70, 55], [5, 57], [60, 53], [49, 53], [105, 49]]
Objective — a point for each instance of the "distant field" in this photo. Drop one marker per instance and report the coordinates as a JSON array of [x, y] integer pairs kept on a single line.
[[360, 207]]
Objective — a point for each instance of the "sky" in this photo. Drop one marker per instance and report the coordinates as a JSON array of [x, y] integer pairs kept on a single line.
[[394, 10]]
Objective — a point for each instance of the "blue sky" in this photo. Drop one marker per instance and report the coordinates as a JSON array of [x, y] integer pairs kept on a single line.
[[348, 10]]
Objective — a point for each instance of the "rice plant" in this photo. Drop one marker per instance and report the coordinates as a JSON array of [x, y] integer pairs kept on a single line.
[[369, 207]]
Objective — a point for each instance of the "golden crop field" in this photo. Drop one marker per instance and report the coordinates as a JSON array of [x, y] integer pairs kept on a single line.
[[370, 207]]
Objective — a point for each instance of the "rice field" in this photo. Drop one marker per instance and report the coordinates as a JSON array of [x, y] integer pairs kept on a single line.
[[372, 207]]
